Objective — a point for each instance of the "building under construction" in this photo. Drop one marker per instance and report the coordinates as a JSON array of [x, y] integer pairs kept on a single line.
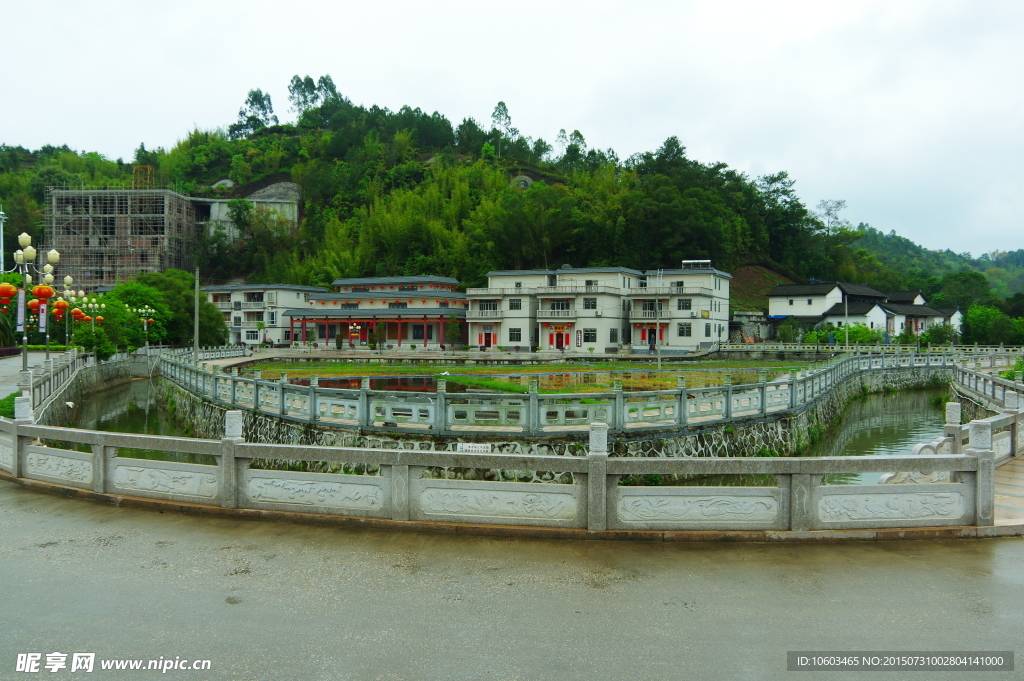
[[106, 236]]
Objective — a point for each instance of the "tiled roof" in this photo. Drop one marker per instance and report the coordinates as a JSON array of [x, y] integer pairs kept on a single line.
[[261, 287], [517, 273], [902, 296], [912, 310], [599, 270], [375, 281], [411, 312], [822, 287], [857, 309], [709, 270], [385, 295]]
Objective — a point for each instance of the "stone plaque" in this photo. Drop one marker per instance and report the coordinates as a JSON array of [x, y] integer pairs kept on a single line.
[[919, 506], [6, 455], [145, 479], [60, 467], [315, 493], [632, 508], [498, 504]]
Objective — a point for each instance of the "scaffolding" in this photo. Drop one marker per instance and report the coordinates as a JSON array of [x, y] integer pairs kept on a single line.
[[107, 235]]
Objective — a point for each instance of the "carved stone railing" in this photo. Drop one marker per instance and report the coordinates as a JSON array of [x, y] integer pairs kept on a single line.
[[398, 484], [531, 413]]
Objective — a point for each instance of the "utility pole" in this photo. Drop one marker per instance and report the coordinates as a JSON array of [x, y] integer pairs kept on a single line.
[[195, 333], [846, 303]]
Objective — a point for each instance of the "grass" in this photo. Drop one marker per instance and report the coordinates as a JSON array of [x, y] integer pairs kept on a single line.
[[577, 377], [7, 405]]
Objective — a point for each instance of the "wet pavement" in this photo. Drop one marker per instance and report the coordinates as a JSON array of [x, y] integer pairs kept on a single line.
[[277, 601]]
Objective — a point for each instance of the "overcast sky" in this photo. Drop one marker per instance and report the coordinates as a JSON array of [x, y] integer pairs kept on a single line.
[[910, 111]]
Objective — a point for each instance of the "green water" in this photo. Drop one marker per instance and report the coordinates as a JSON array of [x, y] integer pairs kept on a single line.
[[888, 424], [134, 410]]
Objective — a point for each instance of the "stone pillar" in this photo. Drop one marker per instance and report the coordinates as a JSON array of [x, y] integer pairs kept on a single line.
[[400, 492], [441, 419], [22, 417], [282, 382], [619, 421], [952, 428], [228, 465], [100, 455], [533, 409], [980, 446], [314, 410], [794, 377], [727, 384], [683, 405], [800, 498], [597, 482], [364, 402]]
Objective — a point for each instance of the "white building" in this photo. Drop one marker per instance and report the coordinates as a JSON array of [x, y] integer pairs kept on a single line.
[[601, 309], [257, 313], [839, 303]]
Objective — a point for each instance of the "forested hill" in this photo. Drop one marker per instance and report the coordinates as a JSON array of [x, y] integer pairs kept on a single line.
[[407, 192]]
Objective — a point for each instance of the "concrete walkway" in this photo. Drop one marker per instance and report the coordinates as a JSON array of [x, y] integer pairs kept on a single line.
[[276, 601], [10, 370], [1010, 492]]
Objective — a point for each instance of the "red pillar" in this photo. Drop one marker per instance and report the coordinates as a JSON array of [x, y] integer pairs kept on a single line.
[[440, 331], [399, 332], [424, 332]]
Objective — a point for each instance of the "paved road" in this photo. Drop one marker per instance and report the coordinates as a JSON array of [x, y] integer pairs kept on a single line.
[[276, 601], [10, 368]]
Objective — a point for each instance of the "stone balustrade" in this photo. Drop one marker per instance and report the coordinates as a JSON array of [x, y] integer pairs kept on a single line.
[[401, 484], [531, 413]]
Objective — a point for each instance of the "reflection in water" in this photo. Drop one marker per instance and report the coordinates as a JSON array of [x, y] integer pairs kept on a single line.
[[134, 410], [889, 424], [882, 425]]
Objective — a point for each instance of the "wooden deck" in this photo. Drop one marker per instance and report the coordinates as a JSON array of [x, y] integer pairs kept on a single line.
[[1009, 480]]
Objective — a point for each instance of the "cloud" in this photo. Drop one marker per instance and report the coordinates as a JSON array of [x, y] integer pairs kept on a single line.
[[910, 111]]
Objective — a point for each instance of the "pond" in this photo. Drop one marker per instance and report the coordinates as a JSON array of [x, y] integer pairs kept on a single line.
[[888, 424]]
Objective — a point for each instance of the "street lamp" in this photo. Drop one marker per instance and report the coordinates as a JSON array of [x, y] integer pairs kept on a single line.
[[353, 332], [25, 265], [145, 313]]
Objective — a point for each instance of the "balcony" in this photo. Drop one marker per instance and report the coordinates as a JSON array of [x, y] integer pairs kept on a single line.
[[670, 291], [573, 290], [499, 292], [247, 305], [556, 314], [649, 314], [483, 314], [223, 305]]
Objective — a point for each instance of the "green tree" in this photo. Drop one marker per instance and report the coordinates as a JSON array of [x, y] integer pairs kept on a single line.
[[256, 113], [176, 286], [452, 331], [502, 122]]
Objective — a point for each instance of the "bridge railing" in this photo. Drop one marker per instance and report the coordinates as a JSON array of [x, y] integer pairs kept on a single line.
[[594, 492], [533, 413], [877, 348]]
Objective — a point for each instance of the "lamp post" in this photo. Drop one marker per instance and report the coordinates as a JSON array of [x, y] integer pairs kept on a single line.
[[353, 332], [94, 307], [24, 259], [145, 314]]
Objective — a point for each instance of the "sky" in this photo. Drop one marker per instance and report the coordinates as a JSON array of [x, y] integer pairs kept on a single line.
[[909, 111]]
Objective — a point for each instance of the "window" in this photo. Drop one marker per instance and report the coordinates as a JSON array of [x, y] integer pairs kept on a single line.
[[350, 306], [613, 335], [355, 289], [590, 282], [399, 306], [443, 303], [515, 335], [684, 330], [271, 319], [589, 335], [790, 301], [515, 304], [408, 288], [684, 304], [252, 334], [272, 298], [238, 321], [488, 304], [590, 303], [287, 334], [707, 331], [559, 304], [808, 301], [519, 284]]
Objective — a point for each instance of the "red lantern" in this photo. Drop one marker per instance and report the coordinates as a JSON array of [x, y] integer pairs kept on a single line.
[[8, 291], [87, 319], [34, 305], [99, 320], [43, 291], [151, 321], [59, 306]]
